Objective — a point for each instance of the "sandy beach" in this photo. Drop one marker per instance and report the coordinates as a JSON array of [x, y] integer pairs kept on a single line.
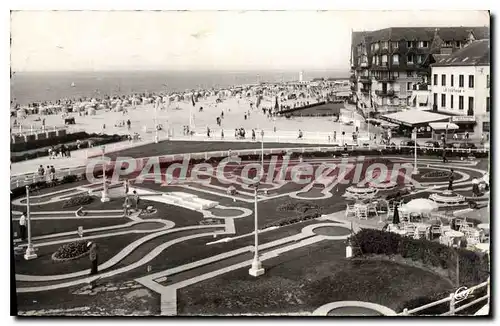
[[176, 115]]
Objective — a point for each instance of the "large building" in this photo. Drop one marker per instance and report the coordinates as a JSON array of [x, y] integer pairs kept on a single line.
[[390, 66], [461, 86]]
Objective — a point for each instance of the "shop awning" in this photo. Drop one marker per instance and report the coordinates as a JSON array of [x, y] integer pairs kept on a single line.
[[414, 118], [443, 126]]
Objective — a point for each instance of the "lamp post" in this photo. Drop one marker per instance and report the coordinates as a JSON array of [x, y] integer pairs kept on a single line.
[[262, 150], [30, 251], [415, 169], [256, 269], [156, 122], [104, 197]]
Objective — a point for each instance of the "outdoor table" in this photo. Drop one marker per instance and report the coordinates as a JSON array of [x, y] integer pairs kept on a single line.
[[483, 246], [484, 226], [454, 234]]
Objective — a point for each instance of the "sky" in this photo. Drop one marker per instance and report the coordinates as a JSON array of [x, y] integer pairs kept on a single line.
[[209, 40]]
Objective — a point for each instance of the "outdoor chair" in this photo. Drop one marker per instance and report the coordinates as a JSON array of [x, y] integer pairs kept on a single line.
[[435, 230], [420, 233], [410, 230], [350, 210], [372, 208], [473, 238], [362, 213]]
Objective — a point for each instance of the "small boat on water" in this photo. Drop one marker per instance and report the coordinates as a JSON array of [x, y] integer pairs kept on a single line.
[[73, 84]]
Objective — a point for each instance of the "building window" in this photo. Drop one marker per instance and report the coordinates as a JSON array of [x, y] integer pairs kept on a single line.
[[457, 43], [435, 99], [443, 80], [435, 79], [395, 59], [410, 59], [376, 46], [487, 81], [409, 74], [451, 101], [460, 102], [448, 44], [385, 45], [471, 81], [384, 59], [410, 44], [460, 80], [420, 58], [408, 86], [423, 44], [487, 104], [470, 111], [395, 45], [451, 81], [443, 100]]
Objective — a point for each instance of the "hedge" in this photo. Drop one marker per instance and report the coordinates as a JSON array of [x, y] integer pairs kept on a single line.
[[474, 266], [47, 142], [97, 140], [294, 219]]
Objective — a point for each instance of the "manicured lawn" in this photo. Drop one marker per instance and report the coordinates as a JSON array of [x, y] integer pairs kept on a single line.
[[45, 227], [180, 147], [304, 279], [44, 265]]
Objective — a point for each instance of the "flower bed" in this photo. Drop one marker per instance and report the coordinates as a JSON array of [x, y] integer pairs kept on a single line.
[[294, 219], [300, 207], [211, 221], [78, 201], [70, 251], [436, 174]]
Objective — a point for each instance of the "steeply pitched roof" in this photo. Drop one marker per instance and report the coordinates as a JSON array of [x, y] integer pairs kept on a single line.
[[475, 54], [357, 37], [422, 34]]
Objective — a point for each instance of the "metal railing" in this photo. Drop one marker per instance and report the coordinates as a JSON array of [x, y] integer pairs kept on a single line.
[[29, 178], [454, 300]]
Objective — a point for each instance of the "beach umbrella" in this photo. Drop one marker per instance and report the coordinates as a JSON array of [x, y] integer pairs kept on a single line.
[[395, 218], [421, 206]]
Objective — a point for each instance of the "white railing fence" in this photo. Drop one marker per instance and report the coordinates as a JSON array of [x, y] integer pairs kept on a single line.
[[455, 301], [96, 152]]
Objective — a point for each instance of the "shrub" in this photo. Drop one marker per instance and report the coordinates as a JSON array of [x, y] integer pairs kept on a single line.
[[78, 201], [72, 250], [474, 266], [69, 178], [294, 219]]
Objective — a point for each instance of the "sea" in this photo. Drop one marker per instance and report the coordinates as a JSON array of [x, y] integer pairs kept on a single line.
[[29, 87]]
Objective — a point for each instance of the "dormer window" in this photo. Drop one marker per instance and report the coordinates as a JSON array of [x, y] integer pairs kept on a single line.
[[458, 44], [423, 44], [448, 44]]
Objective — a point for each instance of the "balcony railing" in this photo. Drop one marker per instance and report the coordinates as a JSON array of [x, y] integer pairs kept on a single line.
[[388, 92], [385, 78], [421, 87], [364, 79]]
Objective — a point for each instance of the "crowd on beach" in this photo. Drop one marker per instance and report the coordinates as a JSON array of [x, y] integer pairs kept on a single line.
[[301, 93]]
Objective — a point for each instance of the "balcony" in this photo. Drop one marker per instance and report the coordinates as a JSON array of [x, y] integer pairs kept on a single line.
[[364, 65], [385, 78], [364, 79], [382, 93], [421, 87]]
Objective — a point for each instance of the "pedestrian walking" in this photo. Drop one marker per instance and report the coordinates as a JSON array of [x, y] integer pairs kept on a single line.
[[93, 257], [126, 206], [41, 172], [22, 226], [450, 180], [52, 173], [137, 199]]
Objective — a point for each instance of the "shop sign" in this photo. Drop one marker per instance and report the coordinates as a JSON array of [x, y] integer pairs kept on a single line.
[[463, 118], [453, 90]]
